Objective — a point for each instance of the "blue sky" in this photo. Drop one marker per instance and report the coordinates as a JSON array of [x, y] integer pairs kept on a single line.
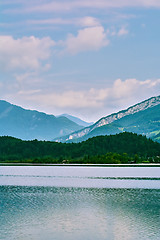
[[85, 58]]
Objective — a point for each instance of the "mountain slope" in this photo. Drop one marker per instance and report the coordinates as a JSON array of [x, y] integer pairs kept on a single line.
[[142, 118], [77, 120], [146, 122], [27, 124]]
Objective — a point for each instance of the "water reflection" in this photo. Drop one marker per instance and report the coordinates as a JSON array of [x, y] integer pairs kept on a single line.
[[97, 177], [53, 213]]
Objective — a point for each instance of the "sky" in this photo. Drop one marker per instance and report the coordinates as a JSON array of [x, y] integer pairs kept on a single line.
[[86, 58]]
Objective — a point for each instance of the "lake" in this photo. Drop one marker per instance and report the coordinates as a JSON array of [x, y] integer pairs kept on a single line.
[[79, 203]]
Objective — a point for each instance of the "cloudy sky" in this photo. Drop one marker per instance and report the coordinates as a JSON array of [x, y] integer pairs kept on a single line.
[[87, 58]]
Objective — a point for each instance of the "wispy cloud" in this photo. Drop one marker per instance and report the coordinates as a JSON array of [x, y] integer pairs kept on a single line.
[[51, 21], [87, 21], [29, 92], [65, 6]]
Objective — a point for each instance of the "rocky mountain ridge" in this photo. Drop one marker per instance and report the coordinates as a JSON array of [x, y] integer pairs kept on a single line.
[[149, 103]]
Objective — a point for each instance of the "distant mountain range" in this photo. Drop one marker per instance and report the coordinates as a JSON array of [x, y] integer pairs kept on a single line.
[[76, 120], [142, 118], [27, 124]]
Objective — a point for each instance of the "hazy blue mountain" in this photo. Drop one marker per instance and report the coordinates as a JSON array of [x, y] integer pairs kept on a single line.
[[142, 118], [28, 124], [77, 120]]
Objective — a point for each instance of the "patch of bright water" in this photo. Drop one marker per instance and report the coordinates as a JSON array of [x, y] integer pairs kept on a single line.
[[51, 203]]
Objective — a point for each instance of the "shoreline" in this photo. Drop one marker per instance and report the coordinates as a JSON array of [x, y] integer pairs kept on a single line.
[[82, 165]]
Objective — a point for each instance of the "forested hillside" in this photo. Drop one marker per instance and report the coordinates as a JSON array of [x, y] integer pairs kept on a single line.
[[120, 148]]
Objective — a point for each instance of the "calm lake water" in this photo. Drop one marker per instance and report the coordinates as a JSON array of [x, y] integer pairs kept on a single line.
[[79, 203]]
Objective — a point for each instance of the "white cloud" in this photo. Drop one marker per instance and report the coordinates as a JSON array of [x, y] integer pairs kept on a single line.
[[93, 103], [122, 31], [117, 32], [132, 87], [88, 39], [125, 88], [88, 21], [128, 92], [24, 53]]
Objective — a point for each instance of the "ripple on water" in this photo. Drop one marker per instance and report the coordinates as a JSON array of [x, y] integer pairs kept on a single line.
[[47, 213]]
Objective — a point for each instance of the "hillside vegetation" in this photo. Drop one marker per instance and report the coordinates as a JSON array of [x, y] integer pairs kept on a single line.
[[119, 148]]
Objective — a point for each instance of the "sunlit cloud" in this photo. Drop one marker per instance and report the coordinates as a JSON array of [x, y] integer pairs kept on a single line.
[[24, 53], [87, 39]]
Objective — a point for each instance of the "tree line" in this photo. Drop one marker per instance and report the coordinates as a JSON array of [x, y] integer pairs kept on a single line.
[[120, 148]]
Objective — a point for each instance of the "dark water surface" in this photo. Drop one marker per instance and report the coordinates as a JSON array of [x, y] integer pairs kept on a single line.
[[79, 203]]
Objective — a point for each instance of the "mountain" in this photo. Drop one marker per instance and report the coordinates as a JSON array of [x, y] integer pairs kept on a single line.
[[76, 120], [28, 124], [142, 118]]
